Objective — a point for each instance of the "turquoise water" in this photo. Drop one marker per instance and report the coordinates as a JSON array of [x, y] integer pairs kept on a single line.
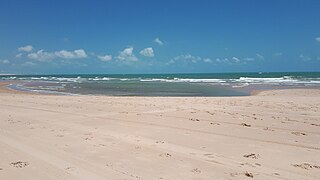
[[209, 84]]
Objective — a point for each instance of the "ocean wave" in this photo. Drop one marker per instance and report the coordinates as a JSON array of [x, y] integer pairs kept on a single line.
[[281, 80], [237, 82], [185, 80]]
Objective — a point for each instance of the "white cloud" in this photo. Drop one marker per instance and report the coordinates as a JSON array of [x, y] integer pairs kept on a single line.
[[5, 61], [105, 58], [317, 39], [187, 58], [148, 52], [207, 60], [127, 55], [236, 59], [27, 48], [28, 63], [260, 56], [304, 58], [170, 62], [64, 54], [41, 55], [19, 55], [248, 59], [76, 54], [277, 54], [158, 41], [218, 60], [222, 60]]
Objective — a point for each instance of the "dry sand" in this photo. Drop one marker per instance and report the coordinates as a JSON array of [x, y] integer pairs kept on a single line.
[[272, 135]]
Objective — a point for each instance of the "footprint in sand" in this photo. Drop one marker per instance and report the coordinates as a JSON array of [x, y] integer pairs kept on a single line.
[[210, 113], [69, 168], [194, 119], [299, 133], [246, 125], [267, 129], [19, 164], [248, 174], [102, 145], [247, 164], [165, 155], [257, 164], [252, 155], [87, 138], [196, 170], [160, 142], [307, 166]]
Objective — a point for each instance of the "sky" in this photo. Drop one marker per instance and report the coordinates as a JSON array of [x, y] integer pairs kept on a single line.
[[158, 36]]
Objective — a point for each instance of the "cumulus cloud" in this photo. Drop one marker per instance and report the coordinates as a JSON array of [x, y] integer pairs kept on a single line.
[[158, 41], [187, 58], [236, 59], [148, 52], [28, 63], [248, 59], [170, 62], [41, 55], [260, 56], [105, 58], [76, 54], [19, 55], [27, 48], [207, 60], [5, 61], [317, 39], [127, 55], [304, 58], [222, 60]]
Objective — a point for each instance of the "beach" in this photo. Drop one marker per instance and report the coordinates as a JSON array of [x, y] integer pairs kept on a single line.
[[270, 135]]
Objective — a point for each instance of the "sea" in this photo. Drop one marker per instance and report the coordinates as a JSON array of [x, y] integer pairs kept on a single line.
[[197, 84]]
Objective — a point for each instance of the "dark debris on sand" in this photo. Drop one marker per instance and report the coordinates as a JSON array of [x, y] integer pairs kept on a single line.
[[19, 164], [246, 125], [248, 174], [252, 155], [306, 166]]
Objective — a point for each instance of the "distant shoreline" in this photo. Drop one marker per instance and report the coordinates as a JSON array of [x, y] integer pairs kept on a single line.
[[164, 85], [8, 74], [4, 88]]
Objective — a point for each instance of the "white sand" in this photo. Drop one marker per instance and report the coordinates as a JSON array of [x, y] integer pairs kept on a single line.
[[99, 137]]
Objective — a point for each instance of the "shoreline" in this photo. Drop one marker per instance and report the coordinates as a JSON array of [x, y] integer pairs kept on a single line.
[[4, 88]]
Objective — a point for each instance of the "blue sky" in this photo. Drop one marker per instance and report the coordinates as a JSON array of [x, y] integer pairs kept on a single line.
[[126, 36]]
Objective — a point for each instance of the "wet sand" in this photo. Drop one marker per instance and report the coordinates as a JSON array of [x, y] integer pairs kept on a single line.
[[272, 135]]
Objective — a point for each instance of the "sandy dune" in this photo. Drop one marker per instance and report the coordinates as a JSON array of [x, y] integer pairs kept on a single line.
[[273, 135]]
